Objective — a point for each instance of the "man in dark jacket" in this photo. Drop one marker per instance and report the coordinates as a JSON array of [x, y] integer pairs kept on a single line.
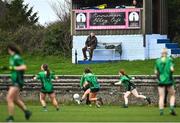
[[90, 45]]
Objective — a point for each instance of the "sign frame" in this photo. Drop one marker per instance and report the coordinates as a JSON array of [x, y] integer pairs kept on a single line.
[[126, 11]]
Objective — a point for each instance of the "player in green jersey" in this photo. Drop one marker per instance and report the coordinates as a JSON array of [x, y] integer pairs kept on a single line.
[[91, 80], [82, 81], [130, 87], [17, 68], [46, 77], [164, 68]]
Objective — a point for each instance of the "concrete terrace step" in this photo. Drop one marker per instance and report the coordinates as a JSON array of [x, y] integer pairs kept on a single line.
[[175, 51], [69, 85], [73, 81], [163, 41], [6, 76], [73, 84], [76, 82], [93, 61], [75, 78], [172, 45]]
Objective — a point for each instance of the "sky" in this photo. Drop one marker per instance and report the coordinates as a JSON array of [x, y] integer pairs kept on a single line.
[[44, 9]]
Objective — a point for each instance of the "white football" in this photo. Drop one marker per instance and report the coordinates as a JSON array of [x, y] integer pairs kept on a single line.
[[76, 96]]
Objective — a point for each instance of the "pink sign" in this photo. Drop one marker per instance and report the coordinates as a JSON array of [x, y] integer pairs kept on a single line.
[[108, 19]]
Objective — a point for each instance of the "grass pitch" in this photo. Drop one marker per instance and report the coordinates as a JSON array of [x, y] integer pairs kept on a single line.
[[64, 66], [82, 113]]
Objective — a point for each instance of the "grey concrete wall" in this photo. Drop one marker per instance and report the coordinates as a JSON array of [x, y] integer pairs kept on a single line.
[[69, 85]]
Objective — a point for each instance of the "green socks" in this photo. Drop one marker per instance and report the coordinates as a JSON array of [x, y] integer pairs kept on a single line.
[[172, 108], [172, 111], [45, 108], [125, 105], [161, 112], [10, 119]]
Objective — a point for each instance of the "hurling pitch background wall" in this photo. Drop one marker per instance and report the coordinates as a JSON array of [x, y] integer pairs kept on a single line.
[[69, 85]]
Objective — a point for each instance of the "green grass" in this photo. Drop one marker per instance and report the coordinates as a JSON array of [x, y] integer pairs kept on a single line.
[[63, 66], [81, 113]]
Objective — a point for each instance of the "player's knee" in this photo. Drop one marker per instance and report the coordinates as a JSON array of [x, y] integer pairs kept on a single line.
[[42, 98], [139, 96], [161, 95], [161, 99], [53, 100], [90, 98], [9, 98], [136, 95], [172, 93]]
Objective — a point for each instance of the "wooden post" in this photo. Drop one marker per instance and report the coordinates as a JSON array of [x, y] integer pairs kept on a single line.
[[147, 16], [163, 17]]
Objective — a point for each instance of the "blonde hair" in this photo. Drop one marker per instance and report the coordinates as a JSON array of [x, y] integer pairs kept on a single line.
[[164, 50]]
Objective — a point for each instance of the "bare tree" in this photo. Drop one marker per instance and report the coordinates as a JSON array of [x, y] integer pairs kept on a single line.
[[8, 1], [61, 8]]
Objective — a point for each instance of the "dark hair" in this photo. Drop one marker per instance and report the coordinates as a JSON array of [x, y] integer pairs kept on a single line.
[[87, 70], [46, 68], [14, 48]]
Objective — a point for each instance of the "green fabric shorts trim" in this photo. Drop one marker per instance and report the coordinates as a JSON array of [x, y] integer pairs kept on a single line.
[[130, 88], [47, 92], [94, 90], [15, 84], [165, 85]]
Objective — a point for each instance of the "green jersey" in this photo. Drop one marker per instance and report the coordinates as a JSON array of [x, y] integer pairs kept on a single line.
[[47, 86], [17, 77], [92, 80], [163, 67], [82, 81], [126, 82]]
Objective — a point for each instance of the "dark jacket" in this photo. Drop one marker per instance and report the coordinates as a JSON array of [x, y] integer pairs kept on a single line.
[[91, 41]]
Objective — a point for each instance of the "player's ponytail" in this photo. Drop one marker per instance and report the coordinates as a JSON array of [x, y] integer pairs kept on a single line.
[[46, 68]]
